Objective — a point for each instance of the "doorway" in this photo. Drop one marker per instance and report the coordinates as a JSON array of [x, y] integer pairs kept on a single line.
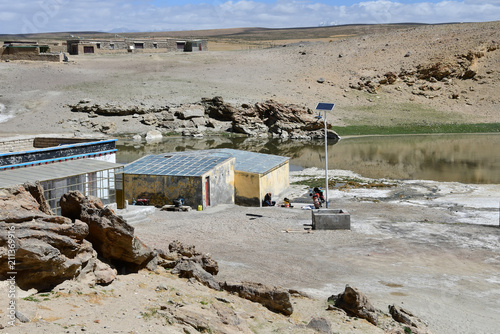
[[207, 191]]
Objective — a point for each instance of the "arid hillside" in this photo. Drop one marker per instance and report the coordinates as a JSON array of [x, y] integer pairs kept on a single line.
[[410, 75], [419, 75]]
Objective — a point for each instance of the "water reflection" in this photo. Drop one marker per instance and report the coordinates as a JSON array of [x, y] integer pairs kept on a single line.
[[467, 158]]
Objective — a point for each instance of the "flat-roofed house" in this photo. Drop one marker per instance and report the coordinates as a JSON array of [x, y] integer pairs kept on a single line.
[[201, 179], [207, 177]]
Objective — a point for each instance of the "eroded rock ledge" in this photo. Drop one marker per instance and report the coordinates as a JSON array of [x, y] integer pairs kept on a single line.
[[266, 119]]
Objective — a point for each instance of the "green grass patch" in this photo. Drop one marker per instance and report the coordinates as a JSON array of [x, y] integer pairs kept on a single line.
[[343, 183], [352, 130], [31, 299]]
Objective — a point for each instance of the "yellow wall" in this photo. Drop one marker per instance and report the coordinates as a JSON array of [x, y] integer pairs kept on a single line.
[[275, 182], [162, 190], [251, 188], [247, 188]]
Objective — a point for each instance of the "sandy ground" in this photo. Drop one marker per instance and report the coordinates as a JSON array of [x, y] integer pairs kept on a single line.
[[431, 247]]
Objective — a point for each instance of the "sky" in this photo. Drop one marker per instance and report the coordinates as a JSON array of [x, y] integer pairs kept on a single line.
[[37, 16]]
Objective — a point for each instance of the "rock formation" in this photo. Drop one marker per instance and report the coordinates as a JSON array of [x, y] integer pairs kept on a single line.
[[354, 302], [111, 236], [399, 321], [267, 119], [439, 72], [44, 250], [274, 298]]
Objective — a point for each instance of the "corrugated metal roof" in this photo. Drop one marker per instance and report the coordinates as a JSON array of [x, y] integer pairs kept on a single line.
[[53, 171], [176, 164]]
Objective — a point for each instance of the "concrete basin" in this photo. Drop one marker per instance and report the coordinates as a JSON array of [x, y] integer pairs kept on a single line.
[[331, 219]]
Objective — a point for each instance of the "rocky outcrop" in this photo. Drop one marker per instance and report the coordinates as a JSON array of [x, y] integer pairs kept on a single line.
[[398, 321], [404, 317], [274, 298], [186, 268], [443, 70], [111, 236], [354, 302], [267, 119], [111, 109], [44, 250]]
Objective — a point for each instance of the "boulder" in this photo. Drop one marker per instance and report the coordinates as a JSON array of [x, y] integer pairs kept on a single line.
[[149, 119], [190, 111], [47, 249], [217, 109], [107, 127], [111, 236], [179, 250], [186, 268], [320, 325], [36, 190], [111, 109], [354, 302], [273, 298], [406, 318], [153, 135]]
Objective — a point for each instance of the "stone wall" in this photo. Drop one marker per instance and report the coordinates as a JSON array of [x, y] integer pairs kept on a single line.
[[43, 142], [16, 145], [75, 47], [28, 53]]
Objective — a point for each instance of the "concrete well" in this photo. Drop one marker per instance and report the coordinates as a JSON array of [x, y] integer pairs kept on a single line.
[[331, 219]]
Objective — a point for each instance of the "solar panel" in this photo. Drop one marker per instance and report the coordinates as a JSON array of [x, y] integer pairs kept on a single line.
[[325, 106]]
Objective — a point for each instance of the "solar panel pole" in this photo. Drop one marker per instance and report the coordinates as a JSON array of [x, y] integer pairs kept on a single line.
[[326, 164], [325, 107]]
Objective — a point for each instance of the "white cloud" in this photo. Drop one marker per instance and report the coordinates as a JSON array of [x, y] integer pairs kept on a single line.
[[78, 15]]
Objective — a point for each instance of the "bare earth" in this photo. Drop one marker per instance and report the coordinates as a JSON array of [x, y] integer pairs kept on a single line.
[[430, 247]]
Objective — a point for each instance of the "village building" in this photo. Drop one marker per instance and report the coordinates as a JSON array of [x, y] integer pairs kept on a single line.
[[206, 178], [27, 50], [124, 45], [62, 165]]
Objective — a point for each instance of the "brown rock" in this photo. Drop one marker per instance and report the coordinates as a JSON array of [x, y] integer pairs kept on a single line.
[[273, 298], [190, 269], [354, 302], [47, 250], [112, 237]]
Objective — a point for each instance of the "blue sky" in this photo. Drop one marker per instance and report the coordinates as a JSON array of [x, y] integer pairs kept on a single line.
[[32, 16]]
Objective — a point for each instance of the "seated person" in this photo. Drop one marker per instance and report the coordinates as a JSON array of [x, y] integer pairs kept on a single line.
[[268, 200]]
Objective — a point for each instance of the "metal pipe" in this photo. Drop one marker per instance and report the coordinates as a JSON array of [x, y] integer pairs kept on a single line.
[[326, 164]]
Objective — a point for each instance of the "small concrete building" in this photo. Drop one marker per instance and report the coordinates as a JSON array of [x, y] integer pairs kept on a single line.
[[206, 177], [25, 50], [257, 174], [124, 45], [201, 179], [62, 165]]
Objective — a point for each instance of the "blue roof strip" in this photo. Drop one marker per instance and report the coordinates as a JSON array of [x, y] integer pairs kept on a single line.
[[43, 162]]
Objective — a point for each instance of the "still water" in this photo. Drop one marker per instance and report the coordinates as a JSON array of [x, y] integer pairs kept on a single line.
[[466, 158]]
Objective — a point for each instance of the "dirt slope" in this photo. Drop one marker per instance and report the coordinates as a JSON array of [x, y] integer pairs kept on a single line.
[[351, 69]]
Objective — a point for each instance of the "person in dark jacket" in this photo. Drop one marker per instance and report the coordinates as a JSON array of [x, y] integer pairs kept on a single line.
[[268, 200]]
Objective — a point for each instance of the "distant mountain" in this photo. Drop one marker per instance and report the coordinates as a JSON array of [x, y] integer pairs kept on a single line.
[[122, 30]]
